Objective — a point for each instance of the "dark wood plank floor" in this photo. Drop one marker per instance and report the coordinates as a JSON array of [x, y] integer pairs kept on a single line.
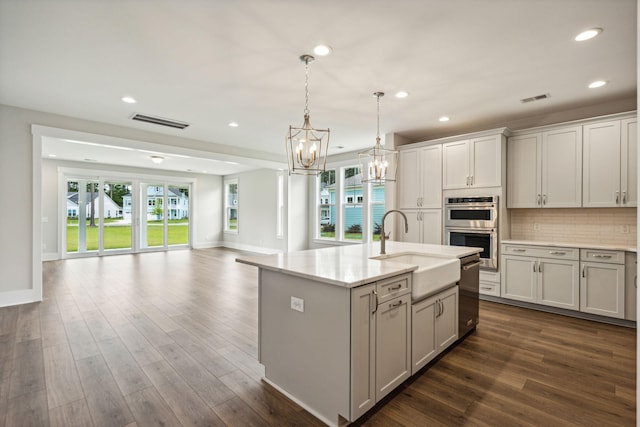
[[171, 339]]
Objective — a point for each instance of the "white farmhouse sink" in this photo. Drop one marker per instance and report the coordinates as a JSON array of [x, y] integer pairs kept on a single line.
[[433, 273]]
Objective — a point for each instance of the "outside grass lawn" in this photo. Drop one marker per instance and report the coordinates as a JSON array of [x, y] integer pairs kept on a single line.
[[119, 236], [347, 236]]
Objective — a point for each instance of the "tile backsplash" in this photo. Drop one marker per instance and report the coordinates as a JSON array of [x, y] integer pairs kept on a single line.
[[615, 226]]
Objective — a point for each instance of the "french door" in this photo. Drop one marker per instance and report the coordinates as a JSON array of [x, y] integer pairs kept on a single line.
[[108, 216]]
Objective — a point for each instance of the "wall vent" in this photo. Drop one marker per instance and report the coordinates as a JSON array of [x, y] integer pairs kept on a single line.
[[159, 121], [536, 98]]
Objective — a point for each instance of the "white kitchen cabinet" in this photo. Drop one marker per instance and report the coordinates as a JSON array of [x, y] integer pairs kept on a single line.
[[420, 176], [609, 174], [380, 341], [541, 275], [602, 284], [475, 162], [425, 226], [545, 169], [631, 285], [434, 324]]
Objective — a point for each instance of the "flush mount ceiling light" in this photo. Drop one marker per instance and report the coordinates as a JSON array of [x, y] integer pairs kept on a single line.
[[157, 159], [378, 164], [588, 34], [233, 124], [322, 50], [128, 99], [402, 94], [306, 146], [443, 119], [597, 83]]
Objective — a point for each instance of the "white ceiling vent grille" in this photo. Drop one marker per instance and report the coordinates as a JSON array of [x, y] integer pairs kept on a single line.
[[159, 121], [536, 98]]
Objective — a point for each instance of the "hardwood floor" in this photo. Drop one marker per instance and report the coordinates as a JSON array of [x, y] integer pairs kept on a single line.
[[170, 339]]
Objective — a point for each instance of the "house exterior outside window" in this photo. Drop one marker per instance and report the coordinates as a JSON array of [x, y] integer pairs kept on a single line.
[[232, 206]]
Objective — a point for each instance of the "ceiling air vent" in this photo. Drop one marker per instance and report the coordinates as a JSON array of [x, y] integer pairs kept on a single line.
[[536, 98], [159, 121]]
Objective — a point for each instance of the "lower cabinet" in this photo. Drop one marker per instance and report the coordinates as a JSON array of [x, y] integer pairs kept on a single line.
[[541, 275], [380, 342], [602, 284], [434, 327]]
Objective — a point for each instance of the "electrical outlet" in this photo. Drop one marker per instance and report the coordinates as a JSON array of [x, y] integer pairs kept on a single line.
[[297, 304], [624, 229], [536, 226]]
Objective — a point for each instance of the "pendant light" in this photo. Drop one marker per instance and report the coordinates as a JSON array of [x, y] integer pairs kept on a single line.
[[378, 164], [307, 147]]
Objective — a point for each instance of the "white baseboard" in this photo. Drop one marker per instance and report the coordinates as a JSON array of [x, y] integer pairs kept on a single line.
[[251, 248], [24, 296], [206, 245]]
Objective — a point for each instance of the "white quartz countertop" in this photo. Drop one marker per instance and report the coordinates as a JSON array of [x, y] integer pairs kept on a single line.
[[571, 245], [351, 266]]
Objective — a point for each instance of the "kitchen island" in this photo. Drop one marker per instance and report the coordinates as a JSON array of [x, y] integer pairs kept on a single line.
[[339, 329]]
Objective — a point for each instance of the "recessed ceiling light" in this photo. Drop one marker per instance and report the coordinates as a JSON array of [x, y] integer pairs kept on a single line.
[[233, 124], [597, 83], [588, 34], [129, 99], [402, 94], [52, 155], [231, 163], [157, 159], [339, 147], [322, 50], [90, 160], [443, 119]]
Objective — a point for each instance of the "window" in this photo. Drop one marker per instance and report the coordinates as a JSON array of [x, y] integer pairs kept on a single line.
[[360, 207], [326, 208], [231, 206], [352, 210]]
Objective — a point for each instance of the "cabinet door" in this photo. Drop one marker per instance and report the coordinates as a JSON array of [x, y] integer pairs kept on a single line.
[[414, 235], [447, 319], [363, 355], [409, 191], [631, 285], [393, 344], [602, 289], [431, 220], [423, 336], [629, 162], [601, 165], [431, 176], [486, 161], [562, 168], [519, 278], [558, 284], [524, 164], [455, 165]]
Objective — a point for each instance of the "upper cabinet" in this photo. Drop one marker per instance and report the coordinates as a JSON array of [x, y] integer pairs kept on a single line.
[[545, 169], [475, 162], [420, 176], [610, 164]]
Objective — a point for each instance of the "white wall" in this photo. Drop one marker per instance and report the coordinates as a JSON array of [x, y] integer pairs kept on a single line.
[[257, 213]]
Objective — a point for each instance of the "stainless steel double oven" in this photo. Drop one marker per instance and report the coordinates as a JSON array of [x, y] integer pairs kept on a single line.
[[473, 221]]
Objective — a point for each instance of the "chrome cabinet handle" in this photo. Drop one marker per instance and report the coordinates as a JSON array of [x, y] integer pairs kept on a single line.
[[539, 200], [534, 266], [519, 250], [601, 256], [557, 253], [617, 197], [539, 267], [442, 308], [395, 288], [624, 197], [375, 308], [467, 181], [486, 288], [472, 180], [544, 199], [584, 273]]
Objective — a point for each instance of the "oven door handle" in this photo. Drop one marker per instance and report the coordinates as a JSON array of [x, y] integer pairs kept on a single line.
[[468, 267]]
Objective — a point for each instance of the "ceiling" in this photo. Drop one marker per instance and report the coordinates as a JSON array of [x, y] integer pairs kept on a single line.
[[210, 62]]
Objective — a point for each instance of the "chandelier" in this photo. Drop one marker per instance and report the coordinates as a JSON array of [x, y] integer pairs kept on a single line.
[[307, 147], [378, 164]]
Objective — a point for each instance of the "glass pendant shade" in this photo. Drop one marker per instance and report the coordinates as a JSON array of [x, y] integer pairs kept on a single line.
[[307, 148], [378, 164]]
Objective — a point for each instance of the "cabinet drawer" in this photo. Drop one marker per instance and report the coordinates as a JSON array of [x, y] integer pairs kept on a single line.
[[489, 288], [393, 287], [595, 255], [542, 251], [490, 276]]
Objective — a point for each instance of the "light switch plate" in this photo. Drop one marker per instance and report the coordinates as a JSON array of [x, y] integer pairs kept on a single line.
[[297, 304]]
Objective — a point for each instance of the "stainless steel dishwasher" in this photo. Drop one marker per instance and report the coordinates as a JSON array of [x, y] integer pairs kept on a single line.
[[468, 289]]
